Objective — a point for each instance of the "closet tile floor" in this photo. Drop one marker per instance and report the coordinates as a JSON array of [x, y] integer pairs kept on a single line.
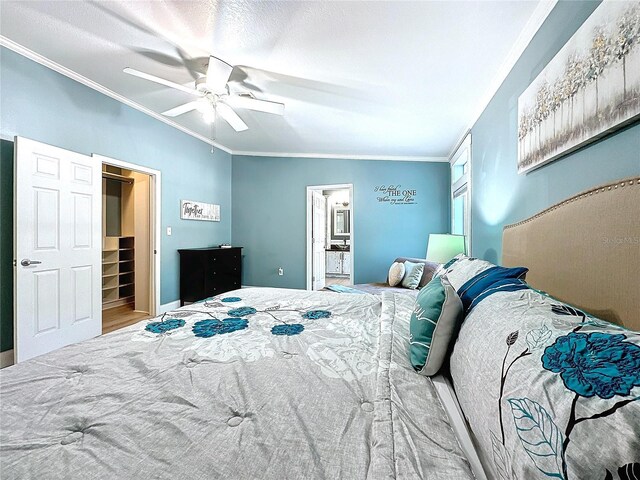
[[120, 317]]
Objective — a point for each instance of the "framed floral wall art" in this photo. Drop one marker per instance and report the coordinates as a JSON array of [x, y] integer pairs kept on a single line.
[[589, 89]]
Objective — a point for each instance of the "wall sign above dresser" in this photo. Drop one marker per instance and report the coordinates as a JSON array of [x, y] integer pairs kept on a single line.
[[190, 210]]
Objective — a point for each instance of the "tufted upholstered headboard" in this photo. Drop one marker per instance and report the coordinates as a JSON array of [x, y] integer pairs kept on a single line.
[[585, 251]]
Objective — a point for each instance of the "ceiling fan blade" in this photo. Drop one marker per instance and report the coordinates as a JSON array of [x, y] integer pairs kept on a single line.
[[244, 101], [231, 117], [180, 109], [195, 66], [218, 72], [255, 80], [162, 81]]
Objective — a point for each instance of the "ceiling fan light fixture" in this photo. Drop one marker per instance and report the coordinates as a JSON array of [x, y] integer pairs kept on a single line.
[[204, 105], [214, 96], [209, 116]]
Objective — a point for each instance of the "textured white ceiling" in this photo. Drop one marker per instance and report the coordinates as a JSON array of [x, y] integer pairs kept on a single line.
[[382, 78]]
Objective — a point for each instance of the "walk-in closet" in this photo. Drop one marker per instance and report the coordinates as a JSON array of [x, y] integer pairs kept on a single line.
[[126, 244]]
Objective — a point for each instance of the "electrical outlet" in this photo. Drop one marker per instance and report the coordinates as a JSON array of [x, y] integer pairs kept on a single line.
[[169, 231], [280, 271]]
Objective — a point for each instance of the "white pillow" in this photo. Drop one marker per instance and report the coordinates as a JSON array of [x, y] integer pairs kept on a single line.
[[413, 274], [396, 273]]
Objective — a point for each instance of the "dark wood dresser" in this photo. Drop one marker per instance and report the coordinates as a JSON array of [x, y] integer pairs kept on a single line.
[[205, 272]]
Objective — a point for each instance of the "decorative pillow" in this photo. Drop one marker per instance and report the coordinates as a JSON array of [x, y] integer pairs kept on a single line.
[[485, 280], [548, 391], [413, 274], [443, 268], [396, 273], [464, 269], [434, 324], [504, 285]]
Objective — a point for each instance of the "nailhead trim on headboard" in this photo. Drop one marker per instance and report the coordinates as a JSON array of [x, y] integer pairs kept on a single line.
[[599, 189]]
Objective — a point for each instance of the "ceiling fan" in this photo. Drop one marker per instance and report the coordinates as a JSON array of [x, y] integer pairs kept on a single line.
[[214, 96]]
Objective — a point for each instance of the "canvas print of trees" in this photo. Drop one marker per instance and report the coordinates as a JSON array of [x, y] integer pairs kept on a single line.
[[590, 88]]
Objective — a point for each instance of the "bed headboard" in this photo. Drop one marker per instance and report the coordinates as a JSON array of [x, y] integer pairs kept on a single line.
[[585, 251]]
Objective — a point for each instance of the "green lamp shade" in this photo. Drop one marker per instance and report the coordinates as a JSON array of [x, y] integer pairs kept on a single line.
[[443, 247]]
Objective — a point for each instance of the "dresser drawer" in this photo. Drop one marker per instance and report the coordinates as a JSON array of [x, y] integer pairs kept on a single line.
[[219, 266], [209, 272]]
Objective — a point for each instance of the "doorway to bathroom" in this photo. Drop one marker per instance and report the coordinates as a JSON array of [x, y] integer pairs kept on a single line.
[[330, 251]]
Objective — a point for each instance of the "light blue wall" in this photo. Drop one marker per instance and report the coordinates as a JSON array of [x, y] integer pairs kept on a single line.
[[269, 214], [41, 104], [500, 195]]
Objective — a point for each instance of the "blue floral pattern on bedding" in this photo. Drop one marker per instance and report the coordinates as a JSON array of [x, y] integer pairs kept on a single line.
[[591, 364], [231, 299], [164, 326], [595, 364], [212, 326], [316, 314], [293, 329], [209, 328]]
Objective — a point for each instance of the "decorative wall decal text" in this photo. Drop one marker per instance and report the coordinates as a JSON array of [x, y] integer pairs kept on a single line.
[[190, 210], [395, 195]]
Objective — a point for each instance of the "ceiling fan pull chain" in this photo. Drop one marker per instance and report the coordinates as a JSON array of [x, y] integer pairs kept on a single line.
[[213, 129]]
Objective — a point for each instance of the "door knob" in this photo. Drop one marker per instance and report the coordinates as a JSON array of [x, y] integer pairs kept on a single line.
[[26, 262]]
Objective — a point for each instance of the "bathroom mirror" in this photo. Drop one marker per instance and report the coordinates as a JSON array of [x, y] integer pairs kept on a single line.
[[341, 223]]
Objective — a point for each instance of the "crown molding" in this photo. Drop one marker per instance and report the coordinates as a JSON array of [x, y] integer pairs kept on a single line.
[[36, 57], [332, 156], [537, 18]]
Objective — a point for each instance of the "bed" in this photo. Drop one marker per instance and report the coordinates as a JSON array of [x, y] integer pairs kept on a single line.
[[257, 383], [286, 384]]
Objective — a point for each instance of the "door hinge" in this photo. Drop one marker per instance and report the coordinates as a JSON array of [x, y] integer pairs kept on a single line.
[[15, 262]]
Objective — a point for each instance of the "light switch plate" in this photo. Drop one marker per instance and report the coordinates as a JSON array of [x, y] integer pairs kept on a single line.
[[169, 231]]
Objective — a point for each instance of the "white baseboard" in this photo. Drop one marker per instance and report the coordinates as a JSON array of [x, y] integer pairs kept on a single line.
[[168, 307], [6, 358]]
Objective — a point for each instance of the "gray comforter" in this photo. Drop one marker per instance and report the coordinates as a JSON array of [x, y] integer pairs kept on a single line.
[[257, 383]]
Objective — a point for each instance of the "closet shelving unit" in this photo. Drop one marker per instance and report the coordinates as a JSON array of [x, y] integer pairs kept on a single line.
[[118, 271], [126, 253]]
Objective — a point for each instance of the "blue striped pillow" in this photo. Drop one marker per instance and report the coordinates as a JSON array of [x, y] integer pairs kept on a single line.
[[474, 287]]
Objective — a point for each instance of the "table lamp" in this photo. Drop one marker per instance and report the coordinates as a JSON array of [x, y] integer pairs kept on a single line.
[[442, 247]]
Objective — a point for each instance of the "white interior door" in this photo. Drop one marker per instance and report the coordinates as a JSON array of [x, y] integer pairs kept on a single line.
[[318, 236], [57, 248]]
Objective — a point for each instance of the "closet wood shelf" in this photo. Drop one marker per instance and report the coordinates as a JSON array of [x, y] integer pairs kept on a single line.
[[118, 271]]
